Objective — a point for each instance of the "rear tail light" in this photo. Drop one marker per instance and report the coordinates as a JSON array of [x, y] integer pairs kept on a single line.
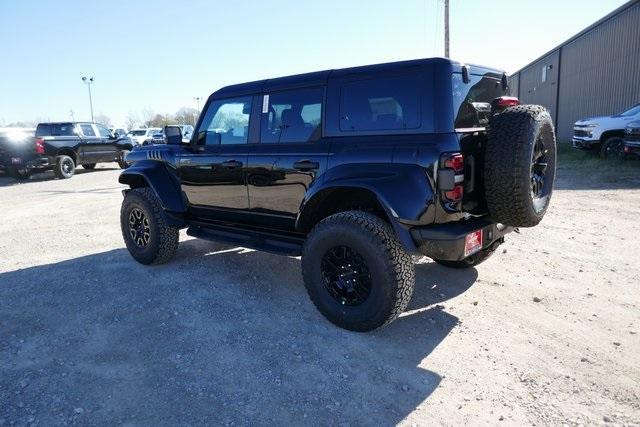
[[455, 162], [451, 177], [40, 145], [503, 102], [454, 195]]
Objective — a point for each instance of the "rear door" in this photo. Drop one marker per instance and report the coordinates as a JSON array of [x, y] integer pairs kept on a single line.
[[107, 152], [213, 173], [89, 149], [291, 154]]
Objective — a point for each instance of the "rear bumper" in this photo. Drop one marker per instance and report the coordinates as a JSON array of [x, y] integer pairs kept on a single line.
[[447, 241], [30, 163]]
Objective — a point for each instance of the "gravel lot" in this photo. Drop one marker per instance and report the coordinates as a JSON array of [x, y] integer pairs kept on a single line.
[[545, 332]]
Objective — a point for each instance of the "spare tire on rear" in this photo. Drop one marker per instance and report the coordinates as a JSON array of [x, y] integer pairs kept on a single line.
[[520, 165]]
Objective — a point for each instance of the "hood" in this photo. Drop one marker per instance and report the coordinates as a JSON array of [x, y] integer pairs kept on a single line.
[[591, 120]]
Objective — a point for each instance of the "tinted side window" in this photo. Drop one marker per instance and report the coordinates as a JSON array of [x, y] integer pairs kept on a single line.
[[104, 132], [226, 122], [292, 116], [55, 129], [87, 130], [390, 103]]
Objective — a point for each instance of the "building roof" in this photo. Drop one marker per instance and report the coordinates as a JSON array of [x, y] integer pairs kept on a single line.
[[599, 22]]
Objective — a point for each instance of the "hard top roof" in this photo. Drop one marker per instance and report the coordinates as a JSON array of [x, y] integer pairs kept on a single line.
[[320, 77]]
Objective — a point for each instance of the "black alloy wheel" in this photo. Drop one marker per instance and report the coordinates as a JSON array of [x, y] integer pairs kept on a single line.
[[539, 164], [346, 275], [139, 227], [613, 149]]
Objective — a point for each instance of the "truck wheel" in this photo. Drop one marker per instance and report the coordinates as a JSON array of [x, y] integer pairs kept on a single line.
[[149, 239], [472, 260], [612, 149], [356, 271], [520, 165], [89, 166], [65, 167], [121, 159], [19, 174]]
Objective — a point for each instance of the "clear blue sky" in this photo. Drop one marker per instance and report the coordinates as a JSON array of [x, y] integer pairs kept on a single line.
[[158, 55]]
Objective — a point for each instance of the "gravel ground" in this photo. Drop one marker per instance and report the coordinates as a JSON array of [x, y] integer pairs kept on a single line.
[[545, 332]]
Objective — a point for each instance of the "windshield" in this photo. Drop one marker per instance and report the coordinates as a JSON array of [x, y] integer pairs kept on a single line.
[[632, 111], [470, 100], [137, 132]]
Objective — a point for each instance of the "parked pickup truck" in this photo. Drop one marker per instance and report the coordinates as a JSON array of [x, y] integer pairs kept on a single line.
[[631, 142], [353, 169], [62, 146], [603, 134]]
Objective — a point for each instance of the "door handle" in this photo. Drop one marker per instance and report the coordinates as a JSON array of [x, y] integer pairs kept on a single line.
[[231, 164], [306, 165]]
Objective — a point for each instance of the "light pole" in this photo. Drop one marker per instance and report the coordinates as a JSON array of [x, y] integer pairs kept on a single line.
[[88, 82], [197, 99]]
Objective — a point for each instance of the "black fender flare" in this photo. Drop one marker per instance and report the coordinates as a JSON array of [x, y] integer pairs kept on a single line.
[[165, 185], [404, 191]]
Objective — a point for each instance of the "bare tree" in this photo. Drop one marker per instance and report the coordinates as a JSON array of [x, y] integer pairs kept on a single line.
[[186, 116], [147, 117], [132, 120], [103, 119]]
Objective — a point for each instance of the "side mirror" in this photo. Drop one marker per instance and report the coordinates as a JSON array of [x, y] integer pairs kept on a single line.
[[173, 134]]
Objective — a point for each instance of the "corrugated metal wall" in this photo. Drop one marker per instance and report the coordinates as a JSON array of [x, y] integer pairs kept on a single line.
[[600, 71], [533, 90], [597, 73]]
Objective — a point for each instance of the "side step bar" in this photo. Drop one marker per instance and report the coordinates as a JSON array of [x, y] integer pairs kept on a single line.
[[260, 239]]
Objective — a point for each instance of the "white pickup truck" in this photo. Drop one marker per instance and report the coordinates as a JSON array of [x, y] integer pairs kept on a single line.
[[603, 133]]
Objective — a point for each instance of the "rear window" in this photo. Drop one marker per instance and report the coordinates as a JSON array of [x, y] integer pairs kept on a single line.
[[471, 100], [55, 129], [382, 104]]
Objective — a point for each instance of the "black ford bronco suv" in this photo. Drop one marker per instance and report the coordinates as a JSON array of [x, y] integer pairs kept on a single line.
[[353, 169], [62, 146]]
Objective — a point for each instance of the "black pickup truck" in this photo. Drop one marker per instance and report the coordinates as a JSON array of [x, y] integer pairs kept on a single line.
[[354, 170], [62, 147]]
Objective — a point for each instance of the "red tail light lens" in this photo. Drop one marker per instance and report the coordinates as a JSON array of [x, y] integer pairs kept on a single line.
[[40, 145], [455, 162], [454, 195], [505, 101]]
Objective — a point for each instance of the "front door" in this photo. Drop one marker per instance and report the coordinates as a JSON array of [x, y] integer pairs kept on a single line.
[[291, 153], [213, 171]]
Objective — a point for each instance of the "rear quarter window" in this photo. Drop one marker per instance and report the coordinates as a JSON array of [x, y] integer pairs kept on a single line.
[[55, 129], [380, 104]]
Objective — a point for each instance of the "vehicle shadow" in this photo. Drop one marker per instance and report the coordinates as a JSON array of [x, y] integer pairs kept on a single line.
[[6, 180], [218, 335]]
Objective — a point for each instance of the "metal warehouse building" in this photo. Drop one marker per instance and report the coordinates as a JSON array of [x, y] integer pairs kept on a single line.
[[594, 73]]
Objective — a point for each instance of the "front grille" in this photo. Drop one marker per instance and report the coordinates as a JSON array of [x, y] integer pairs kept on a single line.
[[634, 135], [581, 133]]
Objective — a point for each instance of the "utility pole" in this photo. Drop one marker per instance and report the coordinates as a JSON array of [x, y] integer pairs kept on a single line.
[[88, 82], [446, 28]]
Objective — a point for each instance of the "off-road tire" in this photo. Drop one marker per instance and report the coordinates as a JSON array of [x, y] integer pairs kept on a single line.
[[612, 149], [513, 135], [19, 174], [65, 167], [121, 162], [163, 240], [391, 269], [89, 166], [472, 260]]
